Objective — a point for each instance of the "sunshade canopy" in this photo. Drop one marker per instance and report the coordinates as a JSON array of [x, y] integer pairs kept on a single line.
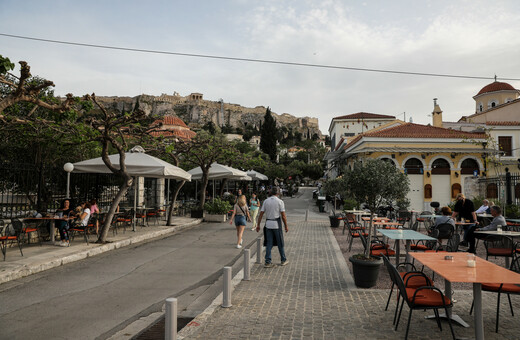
[[255, 175], [218, 171], [137, 163]]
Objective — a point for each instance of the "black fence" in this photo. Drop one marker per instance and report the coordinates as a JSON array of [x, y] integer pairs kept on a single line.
[[504, 188], [26, 189]]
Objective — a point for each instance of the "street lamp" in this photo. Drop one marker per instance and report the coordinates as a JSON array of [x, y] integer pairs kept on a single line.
[[68, 167]]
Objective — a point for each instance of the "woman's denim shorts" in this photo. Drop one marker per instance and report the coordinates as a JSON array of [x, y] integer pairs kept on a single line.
[[240, 220]]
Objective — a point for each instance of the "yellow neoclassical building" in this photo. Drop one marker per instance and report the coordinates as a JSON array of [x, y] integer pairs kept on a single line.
[[439, 162]]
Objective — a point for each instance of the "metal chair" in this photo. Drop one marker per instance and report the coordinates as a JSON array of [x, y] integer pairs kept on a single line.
[[425, 297], [499, 245], [502, 288], [11, 233]]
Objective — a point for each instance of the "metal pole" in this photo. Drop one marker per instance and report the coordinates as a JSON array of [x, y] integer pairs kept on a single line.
[[259, 250], [247, 267], [170, 329], [68, 185], [226, 292], [306, 215]]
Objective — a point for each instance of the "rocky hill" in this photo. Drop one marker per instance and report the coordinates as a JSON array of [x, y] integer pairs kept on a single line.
[[196, 111]]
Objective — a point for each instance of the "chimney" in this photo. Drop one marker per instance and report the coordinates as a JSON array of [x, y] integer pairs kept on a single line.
[[436, 114]]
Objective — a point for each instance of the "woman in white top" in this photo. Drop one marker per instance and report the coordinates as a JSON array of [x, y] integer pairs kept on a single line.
[[240, 213]]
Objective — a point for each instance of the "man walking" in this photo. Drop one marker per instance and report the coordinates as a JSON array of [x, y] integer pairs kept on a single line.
[[466, 210], [274, 210]]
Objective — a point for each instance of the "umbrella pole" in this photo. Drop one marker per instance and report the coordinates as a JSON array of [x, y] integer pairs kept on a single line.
[[213, 190], [136, 181]]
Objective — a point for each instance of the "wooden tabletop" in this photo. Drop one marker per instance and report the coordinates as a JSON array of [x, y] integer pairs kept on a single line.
[[457, 270]]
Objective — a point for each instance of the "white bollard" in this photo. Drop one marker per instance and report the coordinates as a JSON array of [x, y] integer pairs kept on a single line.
[[247, 268], [170, 329], [306, 215], [259, 250], [226, 292]]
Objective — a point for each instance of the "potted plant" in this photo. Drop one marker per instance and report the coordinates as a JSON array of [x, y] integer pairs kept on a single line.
[[216, 210], [375, 183], [334, 188]]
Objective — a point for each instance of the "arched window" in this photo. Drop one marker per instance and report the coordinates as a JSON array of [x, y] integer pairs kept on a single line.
[[455, 189], [468, 167], [492, 190], [413, 166], [428, 191], [480, 107], [440, 167]]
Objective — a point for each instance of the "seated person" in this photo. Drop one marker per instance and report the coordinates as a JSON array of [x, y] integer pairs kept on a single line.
[[63, 225], [94, 210], [485, 208], [444, 218], [84, 216], [498, 220]]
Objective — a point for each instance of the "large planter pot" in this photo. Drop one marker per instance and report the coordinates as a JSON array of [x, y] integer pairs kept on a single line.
[[195, 213], [215, 218], [365, 271], [334, 221]]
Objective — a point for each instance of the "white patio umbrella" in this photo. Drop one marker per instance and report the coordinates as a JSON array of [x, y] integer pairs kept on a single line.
[[255, 175], [219, 171], [138, 164]]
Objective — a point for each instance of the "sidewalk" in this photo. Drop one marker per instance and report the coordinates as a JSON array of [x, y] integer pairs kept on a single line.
[[39, 258], [314, 297]]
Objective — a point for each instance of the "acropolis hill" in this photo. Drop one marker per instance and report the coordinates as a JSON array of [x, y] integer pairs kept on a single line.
[[196, 111]]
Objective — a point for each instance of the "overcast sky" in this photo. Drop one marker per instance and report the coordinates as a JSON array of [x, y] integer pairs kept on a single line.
[[476, 38]]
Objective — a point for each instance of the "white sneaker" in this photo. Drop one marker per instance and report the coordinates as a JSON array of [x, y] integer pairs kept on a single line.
[[239, 246], [254, 228], [64, 244], [241, 241]]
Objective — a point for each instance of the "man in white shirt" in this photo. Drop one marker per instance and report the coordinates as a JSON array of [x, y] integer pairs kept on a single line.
[[484, 208], [274, 210]]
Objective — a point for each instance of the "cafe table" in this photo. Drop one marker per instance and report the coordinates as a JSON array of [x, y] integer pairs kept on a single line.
[[40, 220], [389, 224], [358, 213], [456, 269], [406, 235], [460, 223]]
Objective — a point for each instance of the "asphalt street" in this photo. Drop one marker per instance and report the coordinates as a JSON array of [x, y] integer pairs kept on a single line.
[[98, 296]]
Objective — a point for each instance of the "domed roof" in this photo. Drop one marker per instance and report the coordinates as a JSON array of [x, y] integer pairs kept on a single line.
[[496, 86]]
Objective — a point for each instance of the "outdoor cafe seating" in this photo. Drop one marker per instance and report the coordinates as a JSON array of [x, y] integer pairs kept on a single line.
[[8, 235]]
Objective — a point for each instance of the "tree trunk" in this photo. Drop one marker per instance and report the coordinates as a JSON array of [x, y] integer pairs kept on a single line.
[[127, 183], [172, 205], [223, 186], [203, 186]]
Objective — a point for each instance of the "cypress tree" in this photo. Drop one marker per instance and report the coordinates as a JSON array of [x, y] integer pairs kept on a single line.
[[268, 135]]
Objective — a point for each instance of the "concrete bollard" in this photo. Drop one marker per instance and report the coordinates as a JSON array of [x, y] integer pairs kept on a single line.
[[170, 328], [306, 215], [247, 267], [259, 250], [226, 292]]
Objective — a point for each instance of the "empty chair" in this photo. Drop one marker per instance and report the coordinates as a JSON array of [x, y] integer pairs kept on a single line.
[[503, 288], [377, 247], [10, 234], [499, 245]]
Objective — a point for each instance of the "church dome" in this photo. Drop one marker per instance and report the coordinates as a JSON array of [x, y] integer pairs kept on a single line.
[[496, 86]]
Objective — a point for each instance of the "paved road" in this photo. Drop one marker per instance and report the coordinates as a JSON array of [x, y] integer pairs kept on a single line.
[[100, 295]]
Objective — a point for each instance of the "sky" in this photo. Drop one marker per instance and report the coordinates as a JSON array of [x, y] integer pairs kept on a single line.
[[467, 37]]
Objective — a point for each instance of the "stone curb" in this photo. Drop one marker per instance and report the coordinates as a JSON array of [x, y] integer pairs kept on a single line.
[[34, 268]]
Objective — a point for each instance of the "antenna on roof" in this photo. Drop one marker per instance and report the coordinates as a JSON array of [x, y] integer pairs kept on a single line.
[[495, 77]]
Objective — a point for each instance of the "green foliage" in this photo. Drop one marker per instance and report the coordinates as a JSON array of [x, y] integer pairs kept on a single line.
[[477, 201], [375, 183], [211, 128], [336, 186], [403, 203], [217, 206], [5, 65], [512, 211], [350, 204], [268, 135]]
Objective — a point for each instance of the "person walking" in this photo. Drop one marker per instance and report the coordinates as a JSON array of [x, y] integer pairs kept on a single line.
[[274, 210], [466, 210], [240, 213], [254, 205]]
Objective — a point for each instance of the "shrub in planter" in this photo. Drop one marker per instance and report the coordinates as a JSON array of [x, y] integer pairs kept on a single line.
[[217, 207]]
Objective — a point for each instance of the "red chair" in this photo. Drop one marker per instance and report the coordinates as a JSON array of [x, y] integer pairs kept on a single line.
[[499, 245], [503, 288], [377, 247], [424, 297], [9, 235]]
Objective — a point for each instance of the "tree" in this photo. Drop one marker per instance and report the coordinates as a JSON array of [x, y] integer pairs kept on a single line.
[[375, 183], [268, 135], [202, 151]]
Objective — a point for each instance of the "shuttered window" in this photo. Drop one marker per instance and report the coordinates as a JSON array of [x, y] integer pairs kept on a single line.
[[505, 144]]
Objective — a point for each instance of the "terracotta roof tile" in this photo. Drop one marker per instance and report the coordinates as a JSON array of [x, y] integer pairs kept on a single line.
[[171, 120], [503, 123], [496, 86], [411, 130], [184, 134], [365, 115]]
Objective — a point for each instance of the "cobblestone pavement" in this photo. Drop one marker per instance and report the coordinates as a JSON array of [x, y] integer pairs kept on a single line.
[[311, 298]]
